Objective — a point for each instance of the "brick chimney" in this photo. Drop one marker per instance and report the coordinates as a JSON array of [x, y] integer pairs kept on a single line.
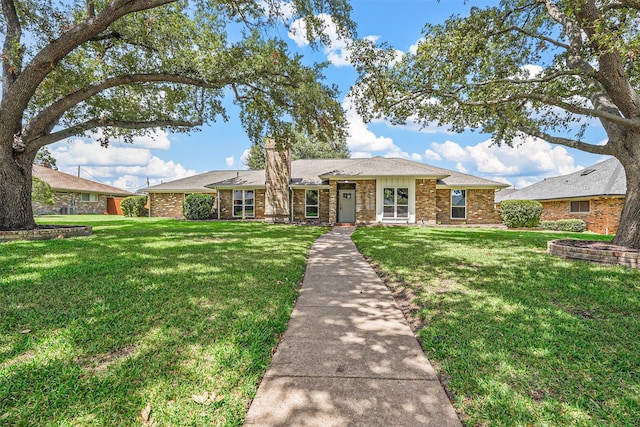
[[277, 177]]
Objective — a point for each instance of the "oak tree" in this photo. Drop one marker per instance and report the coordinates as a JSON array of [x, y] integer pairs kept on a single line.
[[116, 69], [545, 68]]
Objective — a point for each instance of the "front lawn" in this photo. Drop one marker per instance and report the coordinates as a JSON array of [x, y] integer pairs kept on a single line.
[[144, 315], [521, 338]]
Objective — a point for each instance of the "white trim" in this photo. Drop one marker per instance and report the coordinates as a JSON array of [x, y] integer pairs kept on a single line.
[[244, 204], [317, 190], [401, 182], [451, 204]]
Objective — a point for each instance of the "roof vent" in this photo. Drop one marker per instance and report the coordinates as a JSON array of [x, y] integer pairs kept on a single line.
[[587, 171]]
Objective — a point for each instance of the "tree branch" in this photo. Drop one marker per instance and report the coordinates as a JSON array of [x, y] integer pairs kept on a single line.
[[538, 36], [571, 143], [40, 124], [600, 114], [15, 102], [11, 51], [101, 123], [623, 4]]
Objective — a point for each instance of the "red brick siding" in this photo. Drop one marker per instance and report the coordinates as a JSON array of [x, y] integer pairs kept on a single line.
[[480, 207], [61, 199], [603, 215], [425, 201], [299, 206], [166, 205]]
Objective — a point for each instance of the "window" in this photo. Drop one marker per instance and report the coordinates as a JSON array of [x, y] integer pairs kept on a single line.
[[86, 197], [243, 203], [311, 204], [395, 203], [458, 204], [579, 206]]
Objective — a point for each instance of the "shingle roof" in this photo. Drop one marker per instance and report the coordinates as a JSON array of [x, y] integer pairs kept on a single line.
[[602, 179], [60, 181], [384, 166], [195, 183], [317, 171], [458, 179]]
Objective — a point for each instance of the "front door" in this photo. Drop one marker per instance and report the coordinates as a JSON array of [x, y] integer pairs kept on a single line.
[[347, 206]]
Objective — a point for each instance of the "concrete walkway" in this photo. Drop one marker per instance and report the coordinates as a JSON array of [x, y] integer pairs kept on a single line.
[[348, 357]]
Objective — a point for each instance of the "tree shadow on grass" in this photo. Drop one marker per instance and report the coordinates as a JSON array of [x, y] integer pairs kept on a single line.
[[95, 329], [521, 337]]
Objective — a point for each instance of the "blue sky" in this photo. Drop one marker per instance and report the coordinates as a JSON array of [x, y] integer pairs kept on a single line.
[[222, 145]]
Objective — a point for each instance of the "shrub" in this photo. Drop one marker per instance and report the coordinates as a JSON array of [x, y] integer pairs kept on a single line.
[[549, 225], [520, 213], [197, 206], [575, 225], [134, 206]]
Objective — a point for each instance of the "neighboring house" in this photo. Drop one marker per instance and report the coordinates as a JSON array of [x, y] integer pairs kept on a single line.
[[595, 195], [74, 195], [377, 190]]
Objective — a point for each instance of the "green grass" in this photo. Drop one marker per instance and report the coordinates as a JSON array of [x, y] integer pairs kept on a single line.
[[143, 312], [520, 337]]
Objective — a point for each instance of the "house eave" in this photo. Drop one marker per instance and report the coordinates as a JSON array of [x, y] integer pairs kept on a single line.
[[470, 186], [362, 177]]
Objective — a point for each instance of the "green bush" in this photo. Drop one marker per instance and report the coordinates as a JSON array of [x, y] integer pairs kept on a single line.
[[134, 206], [549, 225], [575, 225], [197, 206], [520, 213], [41, 191]]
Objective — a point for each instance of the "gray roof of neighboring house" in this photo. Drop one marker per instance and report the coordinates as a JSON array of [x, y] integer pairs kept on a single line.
[[602, 179], [458, 179], [60, 181]]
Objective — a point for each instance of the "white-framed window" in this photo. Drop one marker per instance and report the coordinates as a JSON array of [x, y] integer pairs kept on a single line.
[[580, 206], [312, 203], [458, 204], [88, 197], [244, 203], [395, 203]]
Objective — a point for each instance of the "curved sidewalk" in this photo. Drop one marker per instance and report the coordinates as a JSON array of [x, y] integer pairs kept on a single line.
[[348, 357]]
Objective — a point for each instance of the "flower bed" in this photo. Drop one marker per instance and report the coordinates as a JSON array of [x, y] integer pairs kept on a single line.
[[594, 251], [46, 232]]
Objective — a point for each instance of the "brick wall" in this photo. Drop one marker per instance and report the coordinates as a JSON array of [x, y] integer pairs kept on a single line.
[[61, 199], [602, 218], [299, 206], [426, 201], [480, 207], [366, 201], [333, 202], [166, 205]]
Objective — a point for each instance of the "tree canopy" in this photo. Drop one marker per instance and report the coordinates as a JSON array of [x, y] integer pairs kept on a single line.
[[129, 67], [301, 148], [545, 68]]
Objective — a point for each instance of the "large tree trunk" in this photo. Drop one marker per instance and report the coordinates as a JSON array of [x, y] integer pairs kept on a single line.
[[628, 233], [15, 192]]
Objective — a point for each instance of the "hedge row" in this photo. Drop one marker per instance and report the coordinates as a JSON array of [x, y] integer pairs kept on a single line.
[[134, 206], [574, 225], [197, 206]]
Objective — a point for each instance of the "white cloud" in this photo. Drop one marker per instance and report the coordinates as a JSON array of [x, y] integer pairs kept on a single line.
[[432, 155], [122, 165], [360, 138], [416, 157], [450, 151], [530, 160], [245, 156], [230, 161]]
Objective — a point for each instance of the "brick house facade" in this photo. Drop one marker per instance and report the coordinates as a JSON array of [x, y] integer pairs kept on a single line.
[[595, 195], [362, 191], [75, 195]]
